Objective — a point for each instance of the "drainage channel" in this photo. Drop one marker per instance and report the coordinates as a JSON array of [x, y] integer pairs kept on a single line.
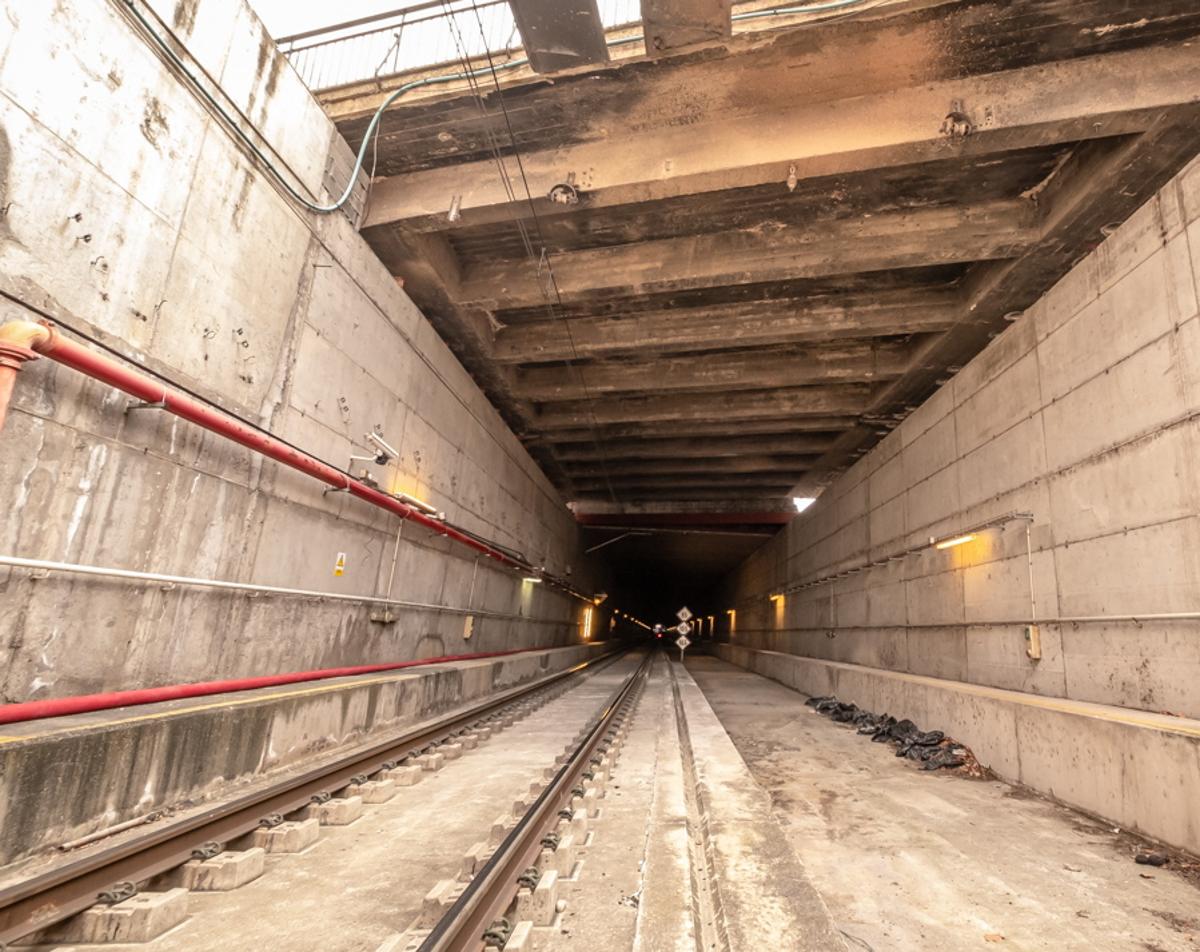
[[103, 883]]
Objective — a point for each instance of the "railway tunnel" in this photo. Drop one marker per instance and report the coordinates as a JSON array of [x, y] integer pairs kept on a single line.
[[554, 474]]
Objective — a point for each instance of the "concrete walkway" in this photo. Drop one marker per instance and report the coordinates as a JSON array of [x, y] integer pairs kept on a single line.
[[910, 860]]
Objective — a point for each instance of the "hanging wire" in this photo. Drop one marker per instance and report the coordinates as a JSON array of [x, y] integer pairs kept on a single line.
[[372, 130], [539, 257]]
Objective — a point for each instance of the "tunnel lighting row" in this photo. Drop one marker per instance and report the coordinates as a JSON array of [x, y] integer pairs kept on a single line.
[[948, 542]]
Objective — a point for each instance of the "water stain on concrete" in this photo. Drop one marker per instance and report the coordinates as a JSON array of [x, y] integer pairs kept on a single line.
[[154, 121], [185, 15]]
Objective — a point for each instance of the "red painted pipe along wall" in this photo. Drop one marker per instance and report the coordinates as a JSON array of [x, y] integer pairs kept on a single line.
[[50, 343], [22, 341], [64, 706]]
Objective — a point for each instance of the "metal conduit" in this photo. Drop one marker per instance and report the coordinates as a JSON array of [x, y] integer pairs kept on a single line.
[[131, 574], [22, 341]]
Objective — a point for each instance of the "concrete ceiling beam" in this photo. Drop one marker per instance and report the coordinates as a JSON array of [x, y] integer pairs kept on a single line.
[[765, 465], [616, 452], [767, 484], [719, 372], [690, 408], [1047, 104], [929, 236], [757, 323], [1102, 182], [586, 433]]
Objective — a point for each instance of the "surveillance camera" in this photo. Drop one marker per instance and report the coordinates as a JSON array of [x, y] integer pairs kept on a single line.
[[386, 451]]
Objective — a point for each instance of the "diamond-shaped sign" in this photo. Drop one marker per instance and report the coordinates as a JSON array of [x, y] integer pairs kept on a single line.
[[682, 642], [684, 614], [684, 628]]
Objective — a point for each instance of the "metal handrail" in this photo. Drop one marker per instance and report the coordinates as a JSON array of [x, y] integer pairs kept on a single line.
[[404, 43]]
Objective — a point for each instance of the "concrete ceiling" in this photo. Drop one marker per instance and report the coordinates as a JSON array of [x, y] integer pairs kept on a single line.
[[784, 240]]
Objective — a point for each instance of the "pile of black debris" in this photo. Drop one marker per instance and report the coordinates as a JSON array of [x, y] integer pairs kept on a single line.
[[931, 749]]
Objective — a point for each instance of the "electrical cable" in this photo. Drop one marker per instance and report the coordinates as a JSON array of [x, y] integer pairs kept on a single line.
[[373, 126], [179, 64], [544, 256]]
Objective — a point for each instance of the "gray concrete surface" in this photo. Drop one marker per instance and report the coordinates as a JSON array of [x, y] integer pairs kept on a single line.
[[910, 860], [359, 884], [1083, 413], [129, 212], [1139, 770], [111, 766], [763, 895]]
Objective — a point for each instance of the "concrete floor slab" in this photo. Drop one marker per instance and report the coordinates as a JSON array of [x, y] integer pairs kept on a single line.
[[911, 860]]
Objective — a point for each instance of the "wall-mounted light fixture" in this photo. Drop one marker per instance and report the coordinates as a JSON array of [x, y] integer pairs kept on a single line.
[[777, 597], [532, 580], [959, 538], [802, 502]]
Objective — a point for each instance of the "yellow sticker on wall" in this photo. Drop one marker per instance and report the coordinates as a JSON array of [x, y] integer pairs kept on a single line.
[[339, 567]]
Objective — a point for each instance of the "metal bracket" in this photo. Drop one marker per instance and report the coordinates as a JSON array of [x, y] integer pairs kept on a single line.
[[208, 850], [530, 878], [565, 193], [116, 893], [498, 934], [957, 124], [159, 405]]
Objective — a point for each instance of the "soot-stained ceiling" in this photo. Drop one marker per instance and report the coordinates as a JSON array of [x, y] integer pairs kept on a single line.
[[774, 244]]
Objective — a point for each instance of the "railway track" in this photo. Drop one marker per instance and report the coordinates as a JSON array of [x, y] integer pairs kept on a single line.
[[478, 912], [113, 872]]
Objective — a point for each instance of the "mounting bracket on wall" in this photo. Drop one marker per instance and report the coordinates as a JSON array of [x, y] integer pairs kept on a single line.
[[957, 124], [565, 193]]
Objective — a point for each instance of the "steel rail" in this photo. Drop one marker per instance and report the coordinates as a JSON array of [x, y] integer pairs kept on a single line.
[[492, 889], [47, 898]]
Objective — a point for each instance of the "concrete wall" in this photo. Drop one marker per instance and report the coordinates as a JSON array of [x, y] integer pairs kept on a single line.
[[1085, 413], [129, 211], [1140, 771]]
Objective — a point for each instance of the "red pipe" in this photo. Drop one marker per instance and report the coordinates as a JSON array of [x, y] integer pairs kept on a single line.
[[64, 706], [16, 348], [44, 339]]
